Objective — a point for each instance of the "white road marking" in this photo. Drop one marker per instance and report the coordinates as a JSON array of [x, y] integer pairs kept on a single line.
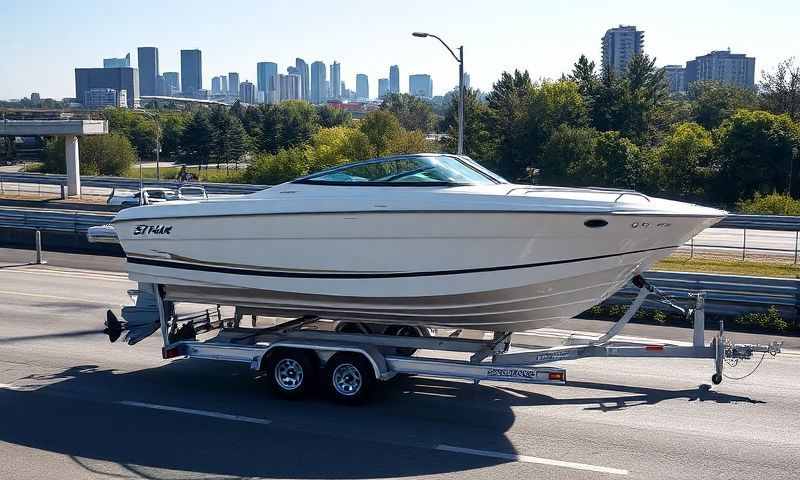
[[52, 297], [73, 273], [190, 411], [529, 459]]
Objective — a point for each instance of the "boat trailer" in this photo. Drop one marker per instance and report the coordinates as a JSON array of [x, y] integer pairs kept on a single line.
[[295, 355]]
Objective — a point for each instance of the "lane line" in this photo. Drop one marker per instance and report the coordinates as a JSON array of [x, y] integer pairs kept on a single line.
[[52, 297], [191, 411], [529, 459]]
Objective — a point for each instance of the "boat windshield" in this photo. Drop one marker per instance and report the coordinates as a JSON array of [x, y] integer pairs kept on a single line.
[[416, 170]]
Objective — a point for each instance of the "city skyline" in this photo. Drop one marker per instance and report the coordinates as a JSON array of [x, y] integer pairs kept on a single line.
[[559, 37]]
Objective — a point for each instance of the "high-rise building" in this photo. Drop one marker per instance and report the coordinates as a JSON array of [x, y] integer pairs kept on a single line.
[[290, 86], [336, 80], [723, 66], [362, 87], [305, 78], [148, 70], [223, 80], [117, 62], [247, 92], [161, 85], [466, 80], [233, 83], [420, 85], [35, 97], [172, 84], [383, 87], [675, 76], [394, 79], [104, 97], [216, 86], [620, 45], [191, 72], [267, 78], [319, 90], [118, 79]]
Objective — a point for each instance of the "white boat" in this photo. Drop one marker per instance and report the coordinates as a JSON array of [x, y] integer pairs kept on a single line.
[[426, 239]]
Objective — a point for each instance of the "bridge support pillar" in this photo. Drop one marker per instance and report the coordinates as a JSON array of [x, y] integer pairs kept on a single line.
[[73, 166]]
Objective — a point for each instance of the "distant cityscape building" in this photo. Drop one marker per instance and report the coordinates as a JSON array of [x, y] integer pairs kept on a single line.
[[216, 86], [161, 85], [723, 66], [233, 83], [336, 80], [172, 84], [383, 87], [191, 72], [247, 92], [201, 94], [267, 80], [675, 76], [118, 79], [394, 79], [105, 97], [224, 83], [305, 78], [35, 97], [466, 80], [117, 62], [290, 86], [620, 45], [362, 87], [318, 92], [420, 85], [148, 70]]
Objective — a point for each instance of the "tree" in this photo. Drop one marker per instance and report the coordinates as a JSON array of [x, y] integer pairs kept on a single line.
[[780, 90], [621, 160], [584, 75], [410, 141], [479, 141], [172, 126], [110, 154], [412, 112], [686, 159], [757, 152], [270, 169], [713, 102], [196, 139], [568, 156], [509, 102], [229, 137], [333, 117], [380, 127], [298, 120], [333, 146]]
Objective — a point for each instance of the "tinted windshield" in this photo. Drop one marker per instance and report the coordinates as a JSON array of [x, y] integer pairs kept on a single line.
[[412, 170]]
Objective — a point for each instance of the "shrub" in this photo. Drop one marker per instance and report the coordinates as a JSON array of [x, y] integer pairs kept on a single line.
[[770, 320], [110, 154], [772, 204], [269, 169]]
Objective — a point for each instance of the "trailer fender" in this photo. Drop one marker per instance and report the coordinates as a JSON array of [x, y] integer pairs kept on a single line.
[[325, 350]]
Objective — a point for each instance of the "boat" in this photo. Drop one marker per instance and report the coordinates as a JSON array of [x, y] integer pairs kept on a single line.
[[422, 239]]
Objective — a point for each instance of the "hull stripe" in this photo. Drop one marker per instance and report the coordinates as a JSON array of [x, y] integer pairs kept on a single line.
[[268, 273]]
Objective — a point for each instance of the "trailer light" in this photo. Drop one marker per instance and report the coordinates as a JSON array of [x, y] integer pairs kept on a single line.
[[656, 348], [171, 352], [559, 376]]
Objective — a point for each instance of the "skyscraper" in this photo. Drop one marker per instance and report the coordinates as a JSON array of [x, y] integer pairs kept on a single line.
[[191, 72], [216, 86], [148, 70], [247, 92], [233, 83], [117, 79], [117, 62], [394, 79], [318, 80], [362, 87], [289, 86], [223, 80], [420, 85], [724, 67], [336, 80], [383, 87], [305, 79], [466, 80], [675, 76], [620, 45], [172, 84], [267, 78]]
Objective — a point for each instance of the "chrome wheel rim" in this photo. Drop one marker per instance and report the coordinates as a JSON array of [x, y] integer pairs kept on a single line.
[[289, 374], [347, 379]]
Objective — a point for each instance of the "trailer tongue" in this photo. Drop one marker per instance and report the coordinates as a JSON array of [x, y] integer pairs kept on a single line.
[[348, 358]]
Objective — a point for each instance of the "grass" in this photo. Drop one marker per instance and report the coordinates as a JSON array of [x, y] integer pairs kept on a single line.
[[210, 175], [758, 268]]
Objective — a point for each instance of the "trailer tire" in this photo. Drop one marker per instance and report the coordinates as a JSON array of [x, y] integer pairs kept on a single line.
[[348, 378], [290, 372], [403, 331]]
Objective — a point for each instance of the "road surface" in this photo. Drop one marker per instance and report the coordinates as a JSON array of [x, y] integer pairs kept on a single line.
[[76, 406]]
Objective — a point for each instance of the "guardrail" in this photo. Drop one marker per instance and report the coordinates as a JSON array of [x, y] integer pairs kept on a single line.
[[69, 221]]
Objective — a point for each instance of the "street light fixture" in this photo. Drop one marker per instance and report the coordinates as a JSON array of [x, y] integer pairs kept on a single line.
[[460, 59]]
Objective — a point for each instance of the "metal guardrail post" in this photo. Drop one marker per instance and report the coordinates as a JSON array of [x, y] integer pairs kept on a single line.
[[691, 249], [796, 238], [744, 242], [39, 256], [63, 193]]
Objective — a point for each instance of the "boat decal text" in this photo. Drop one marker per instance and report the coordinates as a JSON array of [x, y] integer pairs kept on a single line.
[[152, 230]]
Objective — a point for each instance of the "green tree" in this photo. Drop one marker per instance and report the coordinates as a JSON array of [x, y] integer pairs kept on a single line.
[[410, 141], [713, 102], [271, 169], [780, 90], [621, 160], [568, 156], [479, 140], [172, 126], [333, 146], [333, 117], [380, 127], [412, 112], [686, 159], [197, 138], [298, 121], [509, 103], [110, 154], [757, 152], [229, 137]]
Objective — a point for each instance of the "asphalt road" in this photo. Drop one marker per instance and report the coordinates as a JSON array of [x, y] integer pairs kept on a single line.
[[76, 406]]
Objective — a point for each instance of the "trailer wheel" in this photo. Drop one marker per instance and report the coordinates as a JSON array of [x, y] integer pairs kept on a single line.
[[291, 373], [716, 379], [348, 378], [403, 331]]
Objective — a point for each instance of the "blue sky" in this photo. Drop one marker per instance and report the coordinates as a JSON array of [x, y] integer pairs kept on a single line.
[[42, 41]]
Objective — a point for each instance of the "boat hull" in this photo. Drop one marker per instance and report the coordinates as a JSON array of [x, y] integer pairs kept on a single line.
[[501, 271]]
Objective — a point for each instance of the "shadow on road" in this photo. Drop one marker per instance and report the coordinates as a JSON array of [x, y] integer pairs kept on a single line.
[[77, 413]]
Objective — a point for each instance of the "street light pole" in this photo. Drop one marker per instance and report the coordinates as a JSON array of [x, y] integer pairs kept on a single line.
[[460, 59]]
